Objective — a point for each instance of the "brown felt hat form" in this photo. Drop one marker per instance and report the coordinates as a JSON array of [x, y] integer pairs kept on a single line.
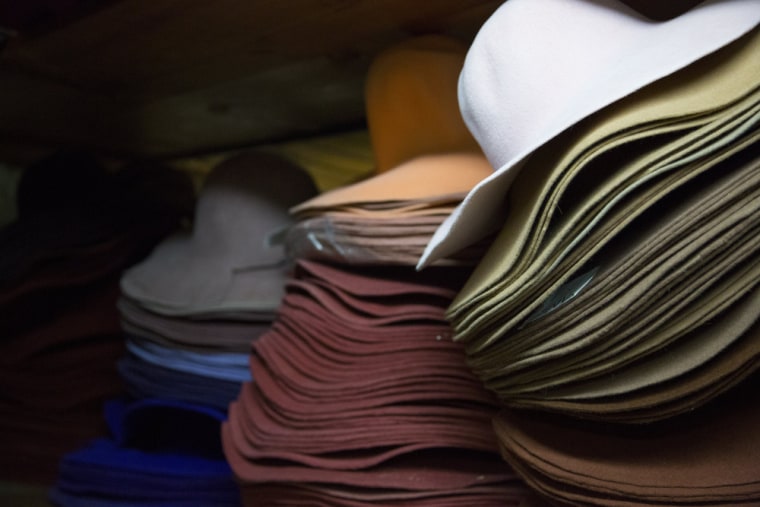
[[706, 458], [229, 263]]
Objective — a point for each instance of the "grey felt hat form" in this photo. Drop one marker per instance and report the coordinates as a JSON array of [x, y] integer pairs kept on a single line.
[[229, 263]]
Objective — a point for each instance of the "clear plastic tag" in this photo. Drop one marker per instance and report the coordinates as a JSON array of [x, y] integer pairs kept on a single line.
[[565, 293]]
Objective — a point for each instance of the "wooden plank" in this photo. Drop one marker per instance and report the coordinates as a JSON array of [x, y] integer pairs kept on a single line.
[[178, 77], [39, 112], [154, 48]]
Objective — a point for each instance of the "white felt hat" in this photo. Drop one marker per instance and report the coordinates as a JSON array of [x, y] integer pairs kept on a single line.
[[537, 67]]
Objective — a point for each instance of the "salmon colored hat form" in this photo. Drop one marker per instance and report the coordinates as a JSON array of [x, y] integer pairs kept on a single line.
[[422, 147]]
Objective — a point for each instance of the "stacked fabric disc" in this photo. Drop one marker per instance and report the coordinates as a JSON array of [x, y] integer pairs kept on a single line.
[[622, 286], [193, 307], [78, 226], [198, 361], [190, 312], [359, 395]]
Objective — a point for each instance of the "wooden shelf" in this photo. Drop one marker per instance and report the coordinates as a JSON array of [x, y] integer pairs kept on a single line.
[[176, 77]]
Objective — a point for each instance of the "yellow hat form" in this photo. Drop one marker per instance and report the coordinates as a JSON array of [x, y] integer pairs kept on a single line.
[[411, 101]]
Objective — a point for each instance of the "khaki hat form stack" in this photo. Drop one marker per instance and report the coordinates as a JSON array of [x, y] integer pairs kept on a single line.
[[661, 246], [426, 162], [618, 304]]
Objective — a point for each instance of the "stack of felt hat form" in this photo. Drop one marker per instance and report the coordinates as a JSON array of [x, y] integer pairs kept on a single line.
[[359, 396], [190, 312], [192, 309], [621, 288], [78, 227]]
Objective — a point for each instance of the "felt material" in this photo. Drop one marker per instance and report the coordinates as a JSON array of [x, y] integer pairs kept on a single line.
[[717, 239], [710, 91], [700, 280], [427, 162], [707, 457], [730, 139], [358, 387], [56, 374], [342, 496], [385, 280], [411, 101], [78, 227], [95, 315], [69, 206], [436, 177], [51, 257], [636, 229], [229, 262], [719, 372], [209, 335], [143, 379], [230, 366], [700, 210], [370, 239], [58, 497], [508, 87], [160, 451]]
